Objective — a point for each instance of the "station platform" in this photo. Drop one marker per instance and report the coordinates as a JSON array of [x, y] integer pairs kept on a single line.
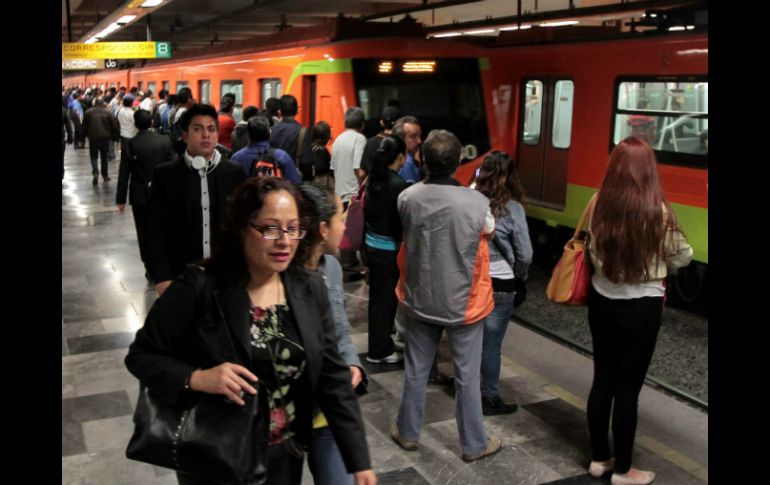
[[105, 298]]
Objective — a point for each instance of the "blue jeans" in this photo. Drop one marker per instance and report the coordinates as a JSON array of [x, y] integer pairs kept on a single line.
[[494, 331], [325, 461]]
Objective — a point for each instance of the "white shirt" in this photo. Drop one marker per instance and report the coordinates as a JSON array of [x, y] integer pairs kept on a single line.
[[347, 151], [126, 120]]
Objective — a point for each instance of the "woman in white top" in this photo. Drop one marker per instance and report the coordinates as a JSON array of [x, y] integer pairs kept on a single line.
[[634, 241]]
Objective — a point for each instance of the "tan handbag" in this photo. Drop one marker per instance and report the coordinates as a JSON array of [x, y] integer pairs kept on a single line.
[[571, 278]]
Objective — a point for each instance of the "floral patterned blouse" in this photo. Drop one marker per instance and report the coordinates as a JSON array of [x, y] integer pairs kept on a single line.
[[276, 344]]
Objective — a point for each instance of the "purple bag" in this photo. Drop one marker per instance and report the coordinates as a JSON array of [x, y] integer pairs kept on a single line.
[[353, 237]]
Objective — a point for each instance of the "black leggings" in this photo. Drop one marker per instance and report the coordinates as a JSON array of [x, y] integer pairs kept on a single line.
[[624, 334]]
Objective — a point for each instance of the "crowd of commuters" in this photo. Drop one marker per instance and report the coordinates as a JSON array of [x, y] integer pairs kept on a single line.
[[452, 258]]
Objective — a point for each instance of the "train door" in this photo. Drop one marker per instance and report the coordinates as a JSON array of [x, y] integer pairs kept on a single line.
[[308, 99], [545, 133]]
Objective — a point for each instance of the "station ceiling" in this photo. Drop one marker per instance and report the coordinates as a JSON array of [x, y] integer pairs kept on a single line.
[[191, 24]]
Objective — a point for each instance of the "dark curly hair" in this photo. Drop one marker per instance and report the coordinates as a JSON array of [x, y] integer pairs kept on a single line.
[[317, 205], [227, 263], [499, 181]]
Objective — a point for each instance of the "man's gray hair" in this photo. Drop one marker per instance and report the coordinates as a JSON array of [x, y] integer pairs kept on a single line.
[[354, 118]]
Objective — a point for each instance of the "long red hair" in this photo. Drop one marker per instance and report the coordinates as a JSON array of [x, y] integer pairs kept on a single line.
[[627, 223]]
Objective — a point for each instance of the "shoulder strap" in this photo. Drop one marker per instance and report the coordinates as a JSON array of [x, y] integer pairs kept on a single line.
[[584, 217], [300, 142]]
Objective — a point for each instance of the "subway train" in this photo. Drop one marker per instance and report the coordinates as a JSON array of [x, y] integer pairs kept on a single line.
[[557, 99]]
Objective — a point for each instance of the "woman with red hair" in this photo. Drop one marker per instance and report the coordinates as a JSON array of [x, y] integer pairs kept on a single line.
[[634, 241]]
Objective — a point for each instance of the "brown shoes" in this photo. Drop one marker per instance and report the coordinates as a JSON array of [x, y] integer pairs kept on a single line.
[[403, 443], [493, 446]]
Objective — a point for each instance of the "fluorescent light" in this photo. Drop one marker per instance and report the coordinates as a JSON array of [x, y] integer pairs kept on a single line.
[[559, 24], [107, 31], [448, 34], [484, 31], [515, 27], [676, 29], [125, 19], [151, 3], [690, 27], [91, 40]]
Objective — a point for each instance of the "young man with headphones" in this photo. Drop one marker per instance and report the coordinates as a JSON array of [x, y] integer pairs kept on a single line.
[[188, 198]]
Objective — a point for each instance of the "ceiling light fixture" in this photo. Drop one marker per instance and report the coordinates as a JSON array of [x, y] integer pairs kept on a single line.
[[125, 19], [151, 3], [559, 24]]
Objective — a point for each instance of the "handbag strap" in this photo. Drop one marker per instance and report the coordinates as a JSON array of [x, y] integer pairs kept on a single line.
[[584, 216]]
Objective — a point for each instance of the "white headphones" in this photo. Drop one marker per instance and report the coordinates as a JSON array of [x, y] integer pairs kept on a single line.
[[199, 163]]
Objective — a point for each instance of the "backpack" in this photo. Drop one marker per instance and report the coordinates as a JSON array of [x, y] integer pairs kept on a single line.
[[266, 166], [175, 132]]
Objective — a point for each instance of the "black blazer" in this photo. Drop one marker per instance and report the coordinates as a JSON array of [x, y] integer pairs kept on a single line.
[[185, 331], [138, 158], [175, 222]]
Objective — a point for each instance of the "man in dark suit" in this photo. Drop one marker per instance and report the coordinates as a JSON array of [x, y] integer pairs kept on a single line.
[[139, 157], [188, 198]]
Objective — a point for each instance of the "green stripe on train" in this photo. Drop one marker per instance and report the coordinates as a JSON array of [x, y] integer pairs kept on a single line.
[[323, 66], [694, 220]]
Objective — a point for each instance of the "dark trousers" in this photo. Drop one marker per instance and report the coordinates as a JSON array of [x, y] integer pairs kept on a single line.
[[383, 278], [283, 468], [97, 148], [140, 221], [624, 333], [63, 149]]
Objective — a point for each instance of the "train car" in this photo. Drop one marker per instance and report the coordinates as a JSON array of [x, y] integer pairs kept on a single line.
[[559, 107]]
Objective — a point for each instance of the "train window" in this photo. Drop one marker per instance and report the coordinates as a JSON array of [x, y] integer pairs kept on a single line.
[[269, 88], [151, 87], [447, 97], [562, 114], [235, 87], [670, 114], [204, 88], [167, 86], [182, 84], [533, 111], [139, 85]]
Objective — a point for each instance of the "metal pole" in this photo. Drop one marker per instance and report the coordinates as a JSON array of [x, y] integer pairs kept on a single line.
[[69, 23], [149, 30]]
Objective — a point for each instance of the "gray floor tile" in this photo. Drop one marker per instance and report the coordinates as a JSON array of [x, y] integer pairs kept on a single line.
[[106, 434], [95, 343], [72, 441], [104, 467], [103, 382], [97, 406], [405, 476]]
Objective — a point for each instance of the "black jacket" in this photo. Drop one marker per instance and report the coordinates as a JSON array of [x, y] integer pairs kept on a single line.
[[138, 158], [175, 219], [185, 331]]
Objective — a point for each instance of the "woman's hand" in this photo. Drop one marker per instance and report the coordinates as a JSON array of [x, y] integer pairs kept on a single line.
[[365, 477], [226, 379], [355, 375]]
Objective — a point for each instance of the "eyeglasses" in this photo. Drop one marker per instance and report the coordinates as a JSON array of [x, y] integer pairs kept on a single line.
[[271, 232]]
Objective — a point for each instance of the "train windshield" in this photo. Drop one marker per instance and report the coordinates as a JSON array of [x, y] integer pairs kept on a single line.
[[670, 114], [441, 93]]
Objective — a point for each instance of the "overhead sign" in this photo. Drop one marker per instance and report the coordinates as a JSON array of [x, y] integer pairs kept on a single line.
[[116, 50], [80, 64]]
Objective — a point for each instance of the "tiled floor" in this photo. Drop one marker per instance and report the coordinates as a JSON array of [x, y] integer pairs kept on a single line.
[[105, 299]]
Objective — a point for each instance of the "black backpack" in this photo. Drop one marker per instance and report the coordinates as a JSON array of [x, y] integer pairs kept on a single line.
[[266, 166]]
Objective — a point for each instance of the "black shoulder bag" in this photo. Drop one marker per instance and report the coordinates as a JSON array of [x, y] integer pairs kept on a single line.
[[214, 439]]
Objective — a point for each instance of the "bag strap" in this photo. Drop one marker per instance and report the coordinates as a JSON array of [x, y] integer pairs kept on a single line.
[[584, 217], [300, 142], [200, 282]]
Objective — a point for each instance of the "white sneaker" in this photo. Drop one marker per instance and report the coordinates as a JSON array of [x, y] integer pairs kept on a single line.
[[393, 358]]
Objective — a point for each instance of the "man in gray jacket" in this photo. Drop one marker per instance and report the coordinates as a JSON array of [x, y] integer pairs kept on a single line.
[[444, 286]]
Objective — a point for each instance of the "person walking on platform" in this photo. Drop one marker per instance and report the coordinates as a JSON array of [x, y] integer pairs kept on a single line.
[[282, 344], [388, 118], [226, 120], [634, 241], [382, 239], [139, 157], [322, 216], [66, 132], [288, 135], [510, 254], [100, 127], [444, 285], [188, 198], [259, 134]]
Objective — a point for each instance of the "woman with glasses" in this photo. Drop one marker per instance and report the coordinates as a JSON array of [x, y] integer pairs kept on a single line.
[[321, 215], [280, 321]]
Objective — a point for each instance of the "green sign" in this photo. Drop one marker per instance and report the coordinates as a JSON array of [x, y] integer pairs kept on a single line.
[[163, 50]]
